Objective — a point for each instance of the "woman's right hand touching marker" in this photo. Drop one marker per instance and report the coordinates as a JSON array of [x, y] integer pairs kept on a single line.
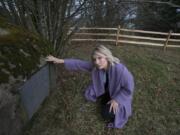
[[53, 59]]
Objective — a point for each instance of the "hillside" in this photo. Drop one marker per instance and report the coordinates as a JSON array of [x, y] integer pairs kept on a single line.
[[155, 104], [20, 54]]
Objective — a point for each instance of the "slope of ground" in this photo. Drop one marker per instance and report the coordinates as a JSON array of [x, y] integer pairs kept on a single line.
[[20, 53], [155, 105]]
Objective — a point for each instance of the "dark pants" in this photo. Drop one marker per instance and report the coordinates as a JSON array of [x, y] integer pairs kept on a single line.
[[109, 116]]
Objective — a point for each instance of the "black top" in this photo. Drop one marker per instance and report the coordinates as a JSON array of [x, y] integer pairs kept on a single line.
[[106, 97]]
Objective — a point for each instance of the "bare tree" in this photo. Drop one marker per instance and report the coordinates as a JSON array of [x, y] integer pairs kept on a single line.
[[51, 19], [106, 13]]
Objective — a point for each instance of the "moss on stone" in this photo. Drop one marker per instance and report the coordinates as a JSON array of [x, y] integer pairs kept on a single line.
[[20, 51]]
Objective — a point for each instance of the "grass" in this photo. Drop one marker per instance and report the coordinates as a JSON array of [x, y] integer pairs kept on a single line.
[[155, 105]]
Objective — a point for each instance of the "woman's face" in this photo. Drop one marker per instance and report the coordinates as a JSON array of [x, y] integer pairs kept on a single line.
[[100, 61]]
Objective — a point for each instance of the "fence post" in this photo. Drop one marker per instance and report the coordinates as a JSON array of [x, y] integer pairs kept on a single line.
[[167, 40], [117, 36]]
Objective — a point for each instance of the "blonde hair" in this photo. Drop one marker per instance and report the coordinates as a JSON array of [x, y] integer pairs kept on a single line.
[[105, 51]]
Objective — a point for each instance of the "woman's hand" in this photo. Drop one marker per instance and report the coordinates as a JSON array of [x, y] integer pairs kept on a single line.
[[53, 59], [114, 106]]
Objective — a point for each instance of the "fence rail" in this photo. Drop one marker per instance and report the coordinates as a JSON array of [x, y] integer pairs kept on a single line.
[[121, 36]]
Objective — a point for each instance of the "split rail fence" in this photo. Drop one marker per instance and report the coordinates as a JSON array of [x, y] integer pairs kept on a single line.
[[121, 36]]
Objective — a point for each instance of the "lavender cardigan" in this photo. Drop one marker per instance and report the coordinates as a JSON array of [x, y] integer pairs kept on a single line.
[[121, 86]]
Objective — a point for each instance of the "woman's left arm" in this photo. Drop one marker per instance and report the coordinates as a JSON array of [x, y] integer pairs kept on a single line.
[[125, 92]]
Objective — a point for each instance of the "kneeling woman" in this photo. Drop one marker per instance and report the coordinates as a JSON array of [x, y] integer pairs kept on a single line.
[[111, 82]]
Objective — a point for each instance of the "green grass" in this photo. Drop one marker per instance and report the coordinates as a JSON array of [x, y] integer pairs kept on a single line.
[[155, 105]]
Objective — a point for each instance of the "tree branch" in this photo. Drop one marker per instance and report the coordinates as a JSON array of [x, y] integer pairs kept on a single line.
[[169, 3]]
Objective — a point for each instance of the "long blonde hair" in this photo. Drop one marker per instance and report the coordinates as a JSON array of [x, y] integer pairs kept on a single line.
[[105, 51]]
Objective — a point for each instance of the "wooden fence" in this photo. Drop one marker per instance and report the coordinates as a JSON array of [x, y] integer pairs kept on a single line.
[[121, 36]]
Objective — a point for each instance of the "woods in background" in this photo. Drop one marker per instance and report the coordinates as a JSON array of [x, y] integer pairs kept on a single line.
[[52, 19]]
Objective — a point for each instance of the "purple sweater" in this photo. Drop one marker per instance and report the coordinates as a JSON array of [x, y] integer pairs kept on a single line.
[[121, 86]]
